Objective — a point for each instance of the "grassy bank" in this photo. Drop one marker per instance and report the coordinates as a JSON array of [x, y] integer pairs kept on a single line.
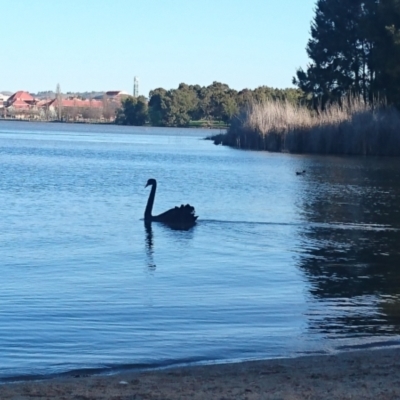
[[207, 124], [355, 128]]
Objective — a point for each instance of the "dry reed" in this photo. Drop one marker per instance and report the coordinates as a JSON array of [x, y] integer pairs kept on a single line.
[[353, 127]]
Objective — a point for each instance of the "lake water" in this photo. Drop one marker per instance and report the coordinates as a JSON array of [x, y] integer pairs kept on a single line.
[[279, 265]]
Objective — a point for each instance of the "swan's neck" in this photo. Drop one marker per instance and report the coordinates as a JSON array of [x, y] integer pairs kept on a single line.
[[150, 202]]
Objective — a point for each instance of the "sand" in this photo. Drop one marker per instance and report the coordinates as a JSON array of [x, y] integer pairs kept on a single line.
[[373, 374]]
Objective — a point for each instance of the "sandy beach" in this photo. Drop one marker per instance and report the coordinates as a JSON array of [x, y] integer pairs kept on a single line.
[[373, 374]]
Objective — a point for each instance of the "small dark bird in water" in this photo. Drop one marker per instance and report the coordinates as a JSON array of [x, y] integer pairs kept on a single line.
[[182, 217], [301, 172]]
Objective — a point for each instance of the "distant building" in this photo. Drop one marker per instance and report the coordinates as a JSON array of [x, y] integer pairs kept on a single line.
[[116, 93], [3, 99], [71, 109], [23, 105], [20, 100], [20, 104], [74, 103]]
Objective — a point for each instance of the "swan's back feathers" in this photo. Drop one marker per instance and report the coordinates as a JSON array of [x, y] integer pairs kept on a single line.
[[178, 216]]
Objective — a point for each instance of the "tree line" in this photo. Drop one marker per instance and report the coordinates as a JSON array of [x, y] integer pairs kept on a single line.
[[188, 103], [354, 52]]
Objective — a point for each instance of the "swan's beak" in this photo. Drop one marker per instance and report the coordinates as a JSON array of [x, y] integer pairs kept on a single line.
[[146, 185]]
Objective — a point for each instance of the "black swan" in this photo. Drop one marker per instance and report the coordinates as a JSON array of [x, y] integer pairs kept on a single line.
[[301, 172], [182, 217]]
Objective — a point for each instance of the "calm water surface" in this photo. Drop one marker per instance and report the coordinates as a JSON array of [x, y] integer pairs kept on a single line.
[[278, 265]]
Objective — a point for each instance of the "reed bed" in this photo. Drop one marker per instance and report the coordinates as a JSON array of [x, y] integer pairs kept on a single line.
[[354, 127]]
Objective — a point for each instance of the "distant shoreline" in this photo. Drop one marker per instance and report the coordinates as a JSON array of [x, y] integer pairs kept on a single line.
[[194, 126], [55, 121]]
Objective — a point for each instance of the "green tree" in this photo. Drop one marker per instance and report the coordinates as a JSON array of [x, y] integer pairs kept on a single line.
[[218, 102], [133, 111], [266, 93], [183, 105], [176, 107], [158, 106], [340, 50], [385, 29]]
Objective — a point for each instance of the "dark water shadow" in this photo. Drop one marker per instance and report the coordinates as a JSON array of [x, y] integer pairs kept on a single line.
[[353, 280], [351, 267]]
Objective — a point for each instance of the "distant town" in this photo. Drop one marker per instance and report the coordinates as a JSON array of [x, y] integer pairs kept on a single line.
[[55, 106]]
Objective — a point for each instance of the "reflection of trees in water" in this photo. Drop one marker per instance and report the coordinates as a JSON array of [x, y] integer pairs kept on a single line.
[[352, 264]]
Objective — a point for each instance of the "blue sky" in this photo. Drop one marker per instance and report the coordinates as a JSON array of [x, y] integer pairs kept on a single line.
[[102, 44]]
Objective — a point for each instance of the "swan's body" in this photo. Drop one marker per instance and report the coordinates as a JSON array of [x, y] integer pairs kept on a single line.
[[178, 217]]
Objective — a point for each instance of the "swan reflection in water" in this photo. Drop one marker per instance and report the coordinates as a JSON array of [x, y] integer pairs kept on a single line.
[[174, 238], [149, 245]]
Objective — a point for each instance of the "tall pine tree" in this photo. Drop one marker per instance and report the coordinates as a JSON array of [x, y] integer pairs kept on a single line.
[[385, 60], [340, 52]]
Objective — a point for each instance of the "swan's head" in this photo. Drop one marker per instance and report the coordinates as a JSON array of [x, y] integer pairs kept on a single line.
[[150, 182]]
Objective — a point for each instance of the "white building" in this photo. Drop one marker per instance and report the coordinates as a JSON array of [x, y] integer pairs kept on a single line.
[[3, 99]]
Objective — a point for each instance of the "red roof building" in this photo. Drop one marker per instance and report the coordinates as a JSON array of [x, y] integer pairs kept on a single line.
[[20, 105], [71, 103], [20, 100]]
